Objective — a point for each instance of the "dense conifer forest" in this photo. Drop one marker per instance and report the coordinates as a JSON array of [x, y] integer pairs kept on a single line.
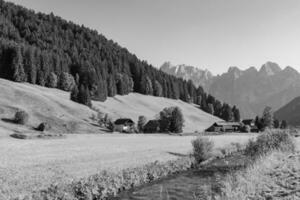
[[50, 51]]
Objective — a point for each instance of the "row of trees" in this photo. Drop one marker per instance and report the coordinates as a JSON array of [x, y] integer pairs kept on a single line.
[[170, 120], [267, 120], [47, 50]]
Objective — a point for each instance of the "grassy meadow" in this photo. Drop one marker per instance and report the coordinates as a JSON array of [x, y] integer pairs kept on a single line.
[[29, 165]]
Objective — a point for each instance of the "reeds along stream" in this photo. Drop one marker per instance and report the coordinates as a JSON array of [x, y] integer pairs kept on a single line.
[[191, 185]]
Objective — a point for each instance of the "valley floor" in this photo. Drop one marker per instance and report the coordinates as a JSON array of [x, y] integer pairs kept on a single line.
[[27, 165]]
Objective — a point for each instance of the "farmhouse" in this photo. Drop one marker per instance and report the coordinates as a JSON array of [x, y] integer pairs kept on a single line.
[[152, 126], [224, 127], [124, 125]]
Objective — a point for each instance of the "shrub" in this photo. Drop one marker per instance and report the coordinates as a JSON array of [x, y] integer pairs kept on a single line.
[[44, 126], [202, 149], [141, 123], [268, 141], [21, 117]]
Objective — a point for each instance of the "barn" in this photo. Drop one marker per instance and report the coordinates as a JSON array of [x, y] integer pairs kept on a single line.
[[125, 125], [224, 127]]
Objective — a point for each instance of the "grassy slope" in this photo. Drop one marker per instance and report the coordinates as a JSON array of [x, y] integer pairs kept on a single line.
[[54, 107], [42, 104], [134, 105]]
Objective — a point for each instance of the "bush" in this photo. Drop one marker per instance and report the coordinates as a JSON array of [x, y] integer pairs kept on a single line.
[[202, 149], [66, 81], [21, 117], [268, 141], [44, 126], [141, 123]]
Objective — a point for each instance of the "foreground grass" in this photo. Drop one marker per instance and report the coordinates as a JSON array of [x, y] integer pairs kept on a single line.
[[276, 176]]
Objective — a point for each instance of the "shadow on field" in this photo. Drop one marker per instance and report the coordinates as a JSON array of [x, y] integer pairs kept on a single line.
[[12, 121], [178, 154]]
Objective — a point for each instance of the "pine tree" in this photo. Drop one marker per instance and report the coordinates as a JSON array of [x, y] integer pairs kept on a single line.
[[210, 109], [236, 114], [52, 80], [267, 117], [84, 96], [157, 90], [17, 65], [74, 94], [227, 114]]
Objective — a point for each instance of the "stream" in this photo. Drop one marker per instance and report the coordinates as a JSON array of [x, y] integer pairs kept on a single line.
[[189, 185]]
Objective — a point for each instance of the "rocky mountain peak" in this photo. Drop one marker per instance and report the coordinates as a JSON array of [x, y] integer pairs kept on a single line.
[[269, 69]]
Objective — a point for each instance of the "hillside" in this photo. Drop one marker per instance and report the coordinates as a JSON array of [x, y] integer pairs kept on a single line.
[[290, 112], [53, 106], [43, 105], [134, 105], [50, 51]]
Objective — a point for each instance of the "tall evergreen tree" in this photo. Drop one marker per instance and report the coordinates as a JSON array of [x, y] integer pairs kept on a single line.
[[267, 117]]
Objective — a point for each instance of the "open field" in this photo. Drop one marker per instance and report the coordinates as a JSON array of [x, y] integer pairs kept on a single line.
[[27, 165]]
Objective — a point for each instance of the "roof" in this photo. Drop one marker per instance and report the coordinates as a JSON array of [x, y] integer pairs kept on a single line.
[[248, 121], [223, 123], [123, 121]]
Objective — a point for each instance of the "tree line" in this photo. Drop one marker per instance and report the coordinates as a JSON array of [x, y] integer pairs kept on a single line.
[[49, 51], [267, 120]]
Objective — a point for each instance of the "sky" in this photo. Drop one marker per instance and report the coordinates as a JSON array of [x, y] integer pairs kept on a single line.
[[209, 34]]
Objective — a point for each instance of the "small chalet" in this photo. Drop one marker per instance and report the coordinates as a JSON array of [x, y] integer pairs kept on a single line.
[[152, 126], [124, 125], [224, 127]]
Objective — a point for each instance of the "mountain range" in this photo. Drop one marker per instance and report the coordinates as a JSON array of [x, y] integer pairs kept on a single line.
[[251, 89]]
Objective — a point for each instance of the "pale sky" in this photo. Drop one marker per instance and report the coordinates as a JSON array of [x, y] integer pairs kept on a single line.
[[212, 34]]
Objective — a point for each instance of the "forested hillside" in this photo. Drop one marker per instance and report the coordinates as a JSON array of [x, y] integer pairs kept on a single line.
[[49, 51]]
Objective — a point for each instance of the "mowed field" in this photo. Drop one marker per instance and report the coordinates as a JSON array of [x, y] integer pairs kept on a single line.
[[27, 165]]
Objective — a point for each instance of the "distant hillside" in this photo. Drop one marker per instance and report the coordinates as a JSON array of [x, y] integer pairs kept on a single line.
[[65, 116], [50, 51], [290, 112], [198, 76]]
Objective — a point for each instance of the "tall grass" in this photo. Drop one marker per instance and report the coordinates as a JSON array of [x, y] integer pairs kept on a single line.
[[273, 174], [269, 141], [107, 184]]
